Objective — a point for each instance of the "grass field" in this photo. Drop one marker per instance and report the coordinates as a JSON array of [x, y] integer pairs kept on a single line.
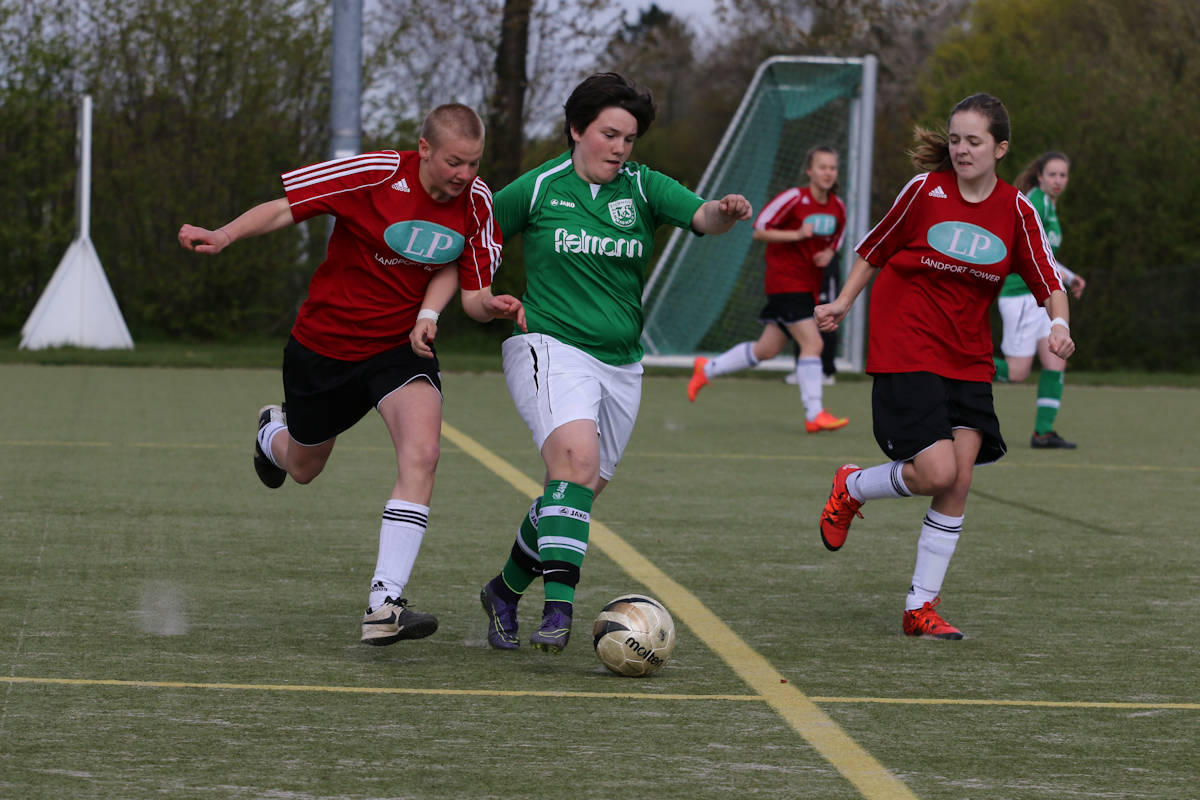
[[169, 627]]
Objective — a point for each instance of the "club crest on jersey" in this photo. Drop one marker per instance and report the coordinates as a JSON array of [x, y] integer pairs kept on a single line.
[[622, 212]]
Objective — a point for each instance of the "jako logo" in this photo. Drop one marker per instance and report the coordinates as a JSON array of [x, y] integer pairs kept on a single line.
[[966, 242], [584, 242], [424, 242]]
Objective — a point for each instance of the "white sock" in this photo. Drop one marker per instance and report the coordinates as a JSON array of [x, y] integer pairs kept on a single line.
[[808, 378], [738, 357], [400, 536], [879, 482], [939, 535], [265, 435]]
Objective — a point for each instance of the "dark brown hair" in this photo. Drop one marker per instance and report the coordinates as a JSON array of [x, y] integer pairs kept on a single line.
[[931, 153], [1031, 175], [606, 90]]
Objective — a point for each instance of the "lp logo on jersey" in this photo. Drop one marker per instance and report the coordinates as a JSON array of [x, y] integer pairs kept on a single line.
[[622, 212], [424, 242], [966, 242], [822, 224]]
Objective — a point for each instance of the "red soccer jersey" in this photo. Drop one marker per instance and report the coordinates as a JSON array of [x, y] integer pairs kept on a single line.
[[790, 265], [943, 260], [389, 238]]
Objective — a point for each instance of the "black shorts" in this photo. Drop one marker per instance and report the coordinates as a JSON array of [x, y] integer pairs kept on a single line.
[[913, 410], [326, 396], [787, 309]]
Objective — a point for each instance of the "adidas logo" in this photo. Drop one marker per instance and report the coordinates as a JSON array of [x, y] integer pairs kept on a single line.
[[937, 192], [401, 185]]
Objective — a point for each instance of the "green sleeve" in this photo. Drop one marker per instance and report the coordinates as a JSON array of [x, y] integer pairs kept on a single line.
[[673, 203], [512, 206]]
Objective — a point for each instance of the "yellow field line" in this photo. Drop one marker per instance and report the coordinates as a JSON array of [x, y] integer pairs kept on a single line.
[[1005, 464], [37, 443], [949, 701], [619, 696], [287, 687], [640, 696], [858, 766]]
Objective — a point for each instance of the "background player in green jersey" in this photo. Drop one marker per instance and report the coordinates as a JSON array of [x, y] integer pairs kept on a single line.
[[1026, 326], [587, 218]]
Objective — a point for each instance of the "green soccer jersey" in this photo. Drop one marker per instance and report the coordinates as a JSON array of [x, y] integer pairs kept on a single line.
[[586, 250], [1013, 284]]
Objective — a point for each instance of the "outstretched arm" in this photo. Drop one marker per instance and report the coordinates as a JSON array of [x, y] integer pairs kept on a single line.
[[718, 216], [263, 218], [482, 306]]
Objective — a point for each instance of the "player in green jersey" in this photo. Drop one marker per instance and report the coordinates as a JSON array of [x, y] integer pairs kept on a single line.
[[587, 218], [1026, 326]]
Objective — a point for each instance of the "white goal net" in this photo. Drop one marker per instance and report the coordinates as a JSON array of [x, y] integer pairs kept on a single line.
[[705, 293]]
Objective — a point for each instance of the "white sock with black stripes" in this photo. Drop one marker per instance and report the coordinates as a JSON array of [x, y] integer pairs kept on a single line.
[[878, 482], [738, 357], [400, 537], [939, 535], [266, 435]]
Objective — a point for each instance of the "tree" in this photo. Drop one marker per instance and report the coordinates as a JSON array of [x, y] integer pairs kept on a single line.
[[1112, 84], [37, 148], [657, 50], [506, 128], [470, 51], [900, 33], [198, 108]]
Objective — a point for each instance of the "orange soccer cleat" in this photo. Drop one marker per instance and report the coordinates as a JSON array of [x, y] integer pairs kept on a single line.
[[928, 624], [699, 379], [825, 422], [840, 509]]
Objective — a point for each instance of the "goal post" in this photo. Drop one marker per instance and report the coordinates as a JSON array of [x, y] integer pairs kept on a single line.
[[705, 292]]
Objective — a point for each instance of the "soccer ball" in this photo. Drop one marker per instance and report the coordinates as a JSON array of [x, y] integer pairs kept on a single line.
[[634, 635]]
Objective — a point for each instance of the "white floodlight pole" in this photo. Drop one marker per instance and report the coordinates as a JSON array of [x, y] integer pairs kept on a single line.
[[77, 306], [85, 168]]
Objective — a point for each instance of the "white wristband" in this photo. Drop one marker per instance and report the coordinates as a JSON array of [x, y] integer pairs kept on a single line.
[[429, 314], [1060, 321]]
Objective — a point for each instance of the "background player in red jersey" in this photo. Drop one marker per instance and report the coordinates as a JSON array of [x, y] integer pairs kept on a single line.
[[400, 219], [940, 255], [803, 229]]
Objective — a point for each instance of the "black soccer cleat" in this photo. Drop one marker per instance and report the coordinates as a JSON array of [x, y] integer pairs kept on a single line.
[[271, 475], [393, 621], [1050, 439]]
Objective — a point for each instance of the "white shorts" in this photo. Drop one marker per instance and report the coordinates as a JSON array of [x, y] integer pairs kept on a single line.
[[1025, 324], [552, 383]]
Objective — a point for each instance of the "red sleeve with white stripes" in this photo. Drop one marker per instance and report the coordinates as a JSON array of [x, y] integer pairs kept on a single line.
[[313, 190], [481, 255], [1033, 257], [891, 233], [775, 213]]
